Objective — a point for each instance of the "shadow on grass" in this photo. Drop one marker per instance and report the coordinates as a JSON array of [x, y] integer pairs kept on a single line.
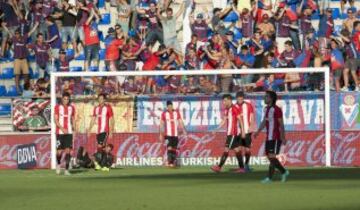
[[177, 174]]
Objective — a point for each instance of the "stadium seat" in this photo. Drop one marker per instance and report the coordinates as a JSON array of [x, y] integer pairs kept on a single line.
[[81, 57], [315, 15], [102, 54], [34, 74], [105, 19], [101, 36], [5, 109], [12, 92], [31, 58], [336, 14], [337, 29], [76, 68], [94, 68], [231, 17], [7, 73], [2, 90], [101, 3], [70, 52]]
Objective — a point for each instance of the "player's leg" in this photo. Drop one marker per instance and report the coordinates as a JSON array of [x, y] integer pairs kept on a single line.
[[101, 142], [171, 150], [247, 150], [224, 156], [68, 139], [59, 151], [272, 149], [238, 148]]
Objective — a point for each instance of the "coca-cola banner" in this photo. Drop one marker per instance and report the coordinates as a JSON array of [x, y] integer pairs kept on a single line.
[[10, 143], [204, 149], [302, 111], [345, 111]]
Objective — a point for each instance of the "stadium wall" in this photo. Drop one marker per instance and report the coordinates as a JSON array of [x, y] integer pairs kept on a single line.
[[141, 147]]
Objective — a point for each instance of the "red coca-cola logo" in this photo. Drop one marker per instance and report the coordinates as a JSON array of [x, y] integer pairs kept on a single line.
[[8, 153]]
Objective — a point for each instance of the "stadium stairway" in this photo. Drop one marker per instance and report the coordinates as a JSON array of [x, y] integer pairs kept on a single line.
[[5, 115]]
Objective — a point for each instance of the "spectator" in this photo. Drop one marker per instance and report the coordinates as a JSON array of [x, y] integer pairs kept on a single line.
[[42, 52], [92, 41], [113, 42]]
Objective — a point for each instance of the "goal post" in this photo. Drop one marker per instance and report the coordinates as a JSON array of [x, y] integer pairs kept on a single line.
[[325, 71]]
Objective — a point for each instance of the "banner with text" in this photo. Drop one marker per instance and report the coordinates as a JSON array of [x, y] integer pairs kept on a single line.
[[204, 113]]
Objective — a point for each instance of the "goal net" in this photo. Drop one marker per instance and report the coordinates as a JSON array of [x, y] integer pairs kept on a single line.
[[138, 99]]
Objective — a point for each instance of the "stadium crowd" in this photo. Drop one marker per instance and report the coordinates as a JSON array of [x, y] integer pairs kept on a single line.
[[239, 35]]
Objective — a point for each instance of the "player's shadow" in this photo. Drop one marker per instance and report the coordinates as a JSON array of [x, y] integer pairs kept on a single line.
[[298, 174]]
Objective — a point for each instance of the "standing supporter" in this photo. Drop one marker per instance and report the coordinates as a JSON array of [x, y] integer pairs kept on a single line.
[[155, 32], [54, 38], [42, 52], [68, 15], [336, 63], [91, 41], [113, 43], [200, 27], [124, 11]]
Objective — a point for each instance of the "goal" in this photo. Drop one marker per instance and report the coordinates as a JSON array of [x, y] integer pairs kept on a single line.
[[139, 97]]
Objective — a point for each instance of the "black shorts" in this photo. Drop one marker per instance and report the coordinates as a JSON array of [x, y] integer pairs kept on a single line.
[[273, 147], [172, 141], [246, 142], [101, 138], [64, 141], [232, 141]]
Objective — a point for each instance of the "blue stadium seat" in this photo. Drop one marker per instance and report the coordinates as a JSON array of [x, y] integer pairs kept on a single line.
[[101, 36], [101, 3], [5, 109], [7, 73], [33, 74], [12, 92], [94, 68], [31, 57], [105, 19], [231, 17], [336, 14], [81, 57], [102, 54], [315, 15], [70, 52], [2, 90], [76, 68]]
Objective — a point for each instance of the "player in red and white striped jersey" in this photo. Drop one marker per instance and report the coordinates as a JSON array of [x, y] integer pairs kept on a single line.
[[103, 116], [169, 127], [65, 124], [247, 118], [233, 129], [275, 135]]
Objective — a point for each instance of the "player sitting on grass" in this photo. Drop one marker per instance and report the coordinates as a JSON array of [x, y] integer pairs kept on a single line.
[[232, 119], [247, 117], [171, 119], [104, 159], [65, 124], [83, 159], [103, 115], [275, 135]]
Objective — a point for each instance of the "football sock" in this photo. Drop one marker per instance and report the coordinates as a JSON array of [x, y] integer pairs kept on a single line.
[[223, 158], [67, 161], [247, 157], [58, 158], [278, 165], [240, 159], [271, 170]]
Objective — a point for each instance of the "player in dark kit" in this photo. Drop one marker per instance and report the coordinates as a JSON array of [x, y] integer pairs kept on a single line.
[[234, 128], [275, 135], [169, 125], [247, 119], [65, 124]]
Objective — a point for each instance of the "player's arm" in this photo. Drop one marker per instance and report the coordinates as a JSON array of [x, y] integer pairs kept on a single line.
[[182, 126], [161, 129], [261, 127], [92, 122], [241, 122], [58, 124], [282, 130], [112, 126], [222, 123]]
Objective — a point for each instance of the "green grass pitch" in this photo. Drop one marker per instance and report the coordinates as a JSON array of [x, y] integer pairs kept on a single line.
[[185, 188]]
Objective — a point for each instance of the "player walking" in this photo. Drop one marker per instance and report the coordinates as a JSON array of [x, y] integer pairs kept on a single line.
[[171, 120], [275, 135], [65, 124], [247, 116], [104, 117], [232, 119]]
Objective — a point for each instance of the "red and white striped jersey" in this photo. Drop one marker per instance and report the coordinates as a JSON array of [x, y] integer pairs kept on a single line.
[[272, 116], [65, 115], [246, 110], [103, 114], [232, 121], [171, 120]]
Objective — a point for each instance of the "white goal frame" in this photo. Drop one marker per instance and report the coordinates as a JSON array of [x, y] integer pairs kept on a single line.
[[323, 70]]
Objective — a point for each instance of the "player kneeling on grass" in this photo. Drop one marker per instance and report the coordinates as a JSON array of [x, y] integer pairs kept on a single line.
[[247, 116], [275, 135], [104, 117], [65, 124], [232, 119], [171, 119], [104, 159]]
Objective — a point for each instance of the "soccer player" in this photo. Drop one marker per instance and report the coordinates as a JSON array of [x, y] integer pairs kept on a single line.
[[171, 120], [247, 116], [104, 117], [65, 124], [232, 119], [275, 135]]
